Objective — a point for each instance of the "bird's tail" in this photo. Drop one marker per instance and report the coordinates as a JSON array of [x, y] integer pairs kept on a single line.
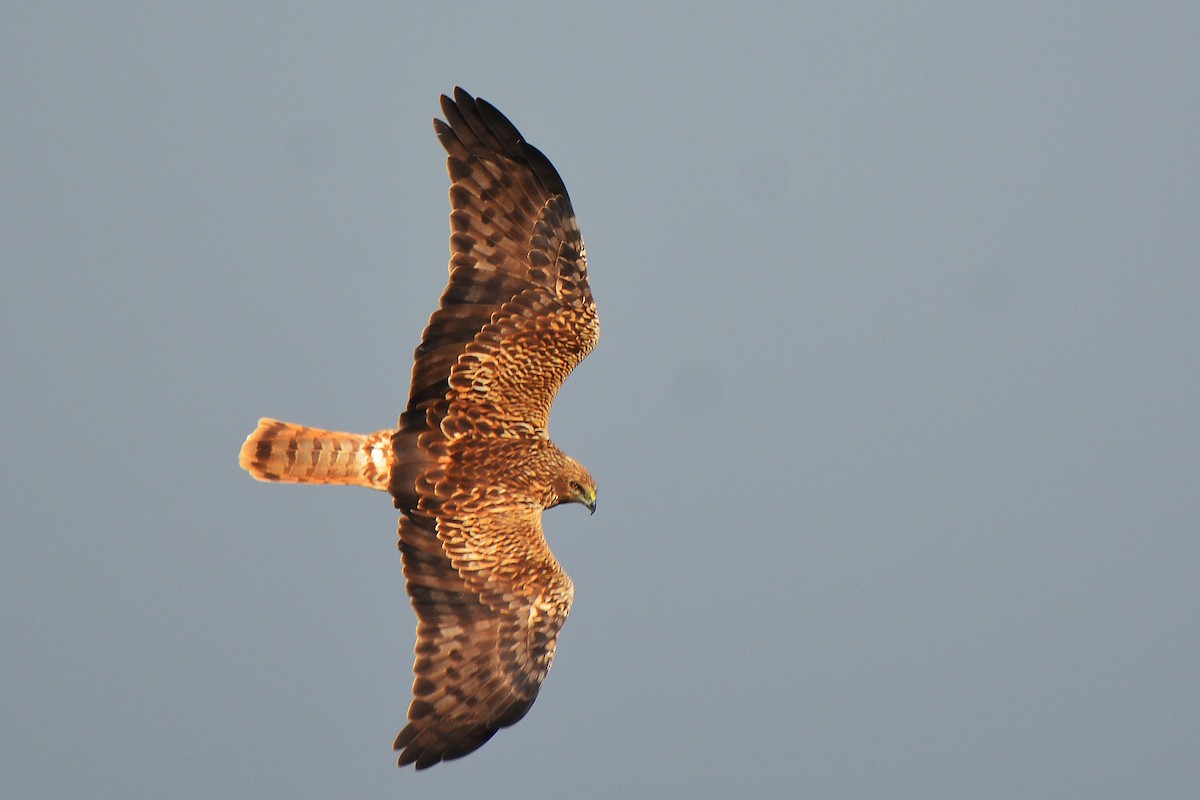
[[281, 451]]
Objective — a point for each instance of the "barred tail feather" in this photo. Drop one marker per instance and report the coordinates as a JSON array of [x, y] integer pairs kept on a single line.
[[281, 451]]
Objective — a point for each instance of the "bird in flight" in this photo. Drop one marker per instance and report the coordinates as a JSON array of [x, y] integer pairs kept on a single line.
[[470, 464]]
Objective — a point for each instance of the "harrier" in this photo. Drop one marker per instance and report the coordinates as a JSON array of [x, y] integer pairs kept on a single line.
[[470, 465]]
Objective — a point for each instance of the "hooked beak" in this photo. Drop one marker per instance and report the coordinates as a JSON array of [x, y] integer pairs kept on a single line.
[[592, 507]]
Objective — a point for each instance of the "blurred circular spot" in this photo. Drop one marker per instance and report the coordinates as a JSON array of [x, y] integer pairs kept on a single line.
[[311, 145], [863, 133], [991, 287], [765, 178], [696, 388]]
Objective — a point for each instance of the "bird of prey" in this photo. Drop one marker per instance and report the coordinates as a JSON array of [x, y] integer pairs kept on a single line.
[[470, 464]]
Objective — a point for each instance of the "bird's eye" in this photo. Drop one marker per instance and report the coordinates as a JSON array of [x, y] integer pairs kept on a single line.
[[575, 487]]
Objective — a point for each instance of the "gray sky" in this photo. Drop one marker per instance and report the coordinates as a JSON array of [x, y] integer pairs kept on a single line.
[[894, 414]]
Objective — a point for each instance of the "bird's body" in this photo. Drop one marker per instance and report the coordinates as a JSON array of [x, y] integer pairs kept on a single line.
[[470, 465]]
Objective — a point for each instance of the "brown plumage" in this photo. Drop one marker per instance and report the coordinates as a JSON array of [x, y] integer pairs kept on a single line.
[[471, 466], [287, 453]]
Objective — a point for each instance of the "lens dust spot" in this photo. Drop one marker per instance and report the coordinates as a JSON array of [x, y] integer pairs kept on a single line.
[[991, 288], [696, 389], [311, 145], [765, 178]]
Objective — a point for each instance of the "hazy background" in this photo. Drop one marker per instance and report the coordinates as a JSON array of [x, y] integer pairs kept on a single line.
[[894, 414]]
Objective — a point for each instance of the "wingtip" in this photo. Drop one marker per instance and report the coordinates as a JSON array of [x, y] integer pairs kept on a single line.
[[418, 758], [458, 98]]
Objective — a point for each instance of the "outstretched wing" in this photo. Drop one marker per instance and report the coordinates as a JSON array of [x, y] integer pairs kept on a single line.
[[490, 600], [518, 274]]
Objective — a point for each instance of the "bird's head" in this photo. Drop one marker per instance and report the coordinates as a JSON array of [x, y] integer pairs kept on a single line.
[[574, 484]]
